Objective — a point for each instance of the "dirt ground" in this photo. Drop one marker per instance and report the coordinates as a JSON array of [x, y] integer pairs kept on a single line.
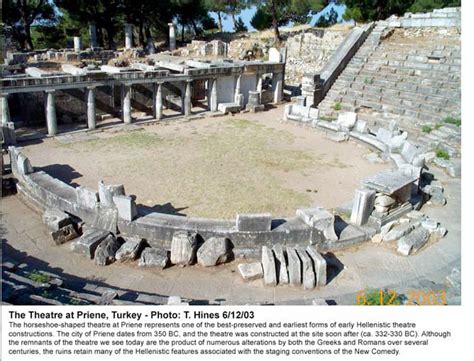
[[213, 167]]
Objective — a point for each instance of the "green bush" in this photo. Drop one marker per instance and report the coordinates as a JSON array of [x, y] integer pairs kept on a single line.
[[38, 277], [337, 106], [327, 119], [451, 120], [440, 153], [426, 129], [438, 125]]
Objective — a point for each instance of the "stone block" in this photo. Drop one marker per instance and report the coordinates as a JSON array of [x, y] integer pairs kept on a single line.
[[281, 264], [106, 219], [294, 267], [229, 107], [250, 271], [88, 242], [384, 135], [105, 251], [398, 232], [362, 206], [55, 219], [261, 222], [361, 126], [320, 266], [126, 207], [409, 152], [183, 248], [87, 198], [214, 251], [24, 165], [307, 269], [64, 234], [384, 200], [274, 55], [347, 120], [107, 193], [154, 257], [130, 249], [320, 219], [269, 267], [413, 241]]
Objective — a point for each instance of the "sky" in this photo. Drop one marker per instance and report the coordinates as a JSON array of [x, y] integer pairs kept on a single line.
[[247, 15]]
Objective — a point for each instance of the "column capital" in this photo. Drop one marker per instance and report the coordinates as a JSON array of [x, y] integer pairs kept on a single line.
[[91, 87], [4, 95], [50, 91]]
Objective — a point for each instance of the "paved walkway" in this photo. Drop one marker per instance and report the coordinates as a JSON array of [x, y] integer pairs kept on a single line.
[[25, 238]]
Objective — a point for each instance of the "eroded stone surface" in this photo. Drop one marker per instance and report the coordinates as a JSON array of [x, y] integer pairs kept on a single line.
[[251, 271], [105, 252], [64, 234], [55, 219], [130, 250], [183, 248], [269, 267], [281, 264], [214, 251], [154, 257], [88, 242]]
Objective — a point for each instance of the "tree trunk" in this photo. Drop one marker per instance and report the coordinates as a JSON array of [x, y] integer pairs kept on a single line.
[[275, 24], [141, 37], [182, 34], [29, 41], [233, 19], [219, 19]]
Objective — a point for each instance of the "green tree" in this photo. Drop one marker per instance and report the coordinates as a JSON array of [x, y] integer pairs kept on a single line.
[[240, 26], [218, 7], [22, 14], [284, 11], [327, 20], [261, 20]]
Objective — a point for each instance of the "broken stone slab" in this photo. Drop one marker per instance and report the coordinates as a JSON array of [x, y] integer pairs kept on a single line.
[[86, 197], [130, 249], [281, 266], [319, 302], [320, 266], [105, 218], [55, 219], [24, 165], [176, 300], [183, 248], [88, 242], [294, 267], [105, 252], [36, 72], [339, 137], [362, 206], [214, 251], [347, 120], [269, 267], [107, 193], [107, 298], [320, 219], [384, 200], [261, 222], [429, 224], [398, 232], [153, 257], [307, 269], [64, 234], [126, 207], [73, 70], [250, 271], [413, 241]]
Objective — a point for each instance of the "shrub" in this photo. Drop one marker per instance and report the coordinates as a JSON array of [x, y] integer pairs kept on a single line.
[[38, 277], [426, 129], [337, 106], [441, 153], [438, 125], [451, 120]]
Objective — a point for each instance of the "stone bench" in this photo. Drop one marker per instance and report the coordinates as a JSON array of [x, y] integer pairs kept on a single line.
[[301, 113], [229, 108]]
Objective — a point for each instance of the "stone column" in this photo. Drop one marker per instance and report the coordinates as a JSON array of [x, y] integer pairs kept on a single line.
[[4, 109], [126, 104], [51, 113], [363, 206], [259, 83], [187, 98], [90, 100], [157, 101], [172, 34], [77, 44], [150, 44], [212, 101], [128, 36], [93, 35], [277, 82], [237, 88]]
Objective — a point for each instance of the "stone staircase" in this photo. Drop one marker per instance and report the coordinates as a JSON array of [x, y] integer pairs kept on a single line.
[[413, 80]]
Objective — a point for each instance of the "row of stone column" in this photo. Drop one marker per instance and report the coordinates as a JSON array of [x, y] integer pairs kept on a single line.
[[50, 108]]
